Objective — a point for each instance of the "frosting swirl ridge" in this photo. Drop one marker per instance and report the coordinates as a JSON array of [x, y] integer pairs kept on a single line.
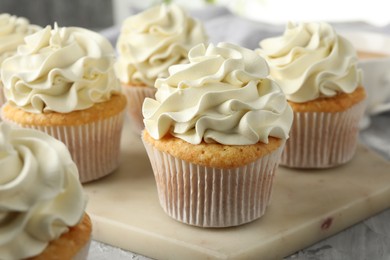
[[62, 70], [310, 61], [40, 193], [12, 32], [153, 40], [222, 95]]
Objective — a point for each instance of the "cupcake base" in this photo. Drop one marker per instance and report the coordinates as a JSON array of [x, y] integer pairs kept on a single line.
[[324, 139], [71, 245], [135, 97], [93, 141], [213, 197]]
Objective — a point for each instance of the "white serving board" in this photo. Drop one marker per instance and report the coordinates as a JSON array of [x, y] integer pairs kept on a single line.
[[306, 207]]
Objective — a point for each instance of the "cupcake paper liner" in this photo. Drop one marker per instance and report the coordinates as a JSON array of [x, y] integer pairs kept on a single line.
[[135, 98], [210, 197], [322, 140], [94, 147]]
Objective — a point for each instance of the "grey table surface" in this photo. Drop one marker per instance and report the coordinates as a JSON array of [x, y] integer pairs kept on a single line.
[[369, 239]]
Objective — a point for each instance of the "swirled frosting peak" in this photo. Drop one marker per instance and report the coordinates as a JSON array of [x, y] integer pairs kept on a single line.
[[62, 70], [40, 193], [153, 40], [12, 32], [222, 95], [310, 61]]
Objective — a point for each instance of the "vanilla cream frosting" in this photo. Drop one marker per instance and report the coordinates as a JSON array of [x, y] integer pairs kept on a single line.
[[310, 61], [153, 40], [40, 193], [12, 32], [62, 70], [222, 95]]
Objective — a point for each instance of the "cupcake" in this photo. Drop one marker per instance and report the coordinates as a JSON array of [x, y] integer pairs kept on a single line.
[[62, 81], [214, 136], [317, 70], [148, 44], [41, 199], [12, 32]]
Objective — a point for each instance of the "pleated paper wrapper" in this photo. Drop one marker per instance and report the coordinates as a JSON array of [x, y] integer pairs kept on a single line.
[[94, 147], [323, 140], [210, 197], [135, 97]]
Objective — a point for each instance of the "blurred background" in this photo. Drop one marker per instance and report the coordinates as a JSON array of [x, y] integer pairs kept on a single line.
[[100, 14], [93, 14]]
